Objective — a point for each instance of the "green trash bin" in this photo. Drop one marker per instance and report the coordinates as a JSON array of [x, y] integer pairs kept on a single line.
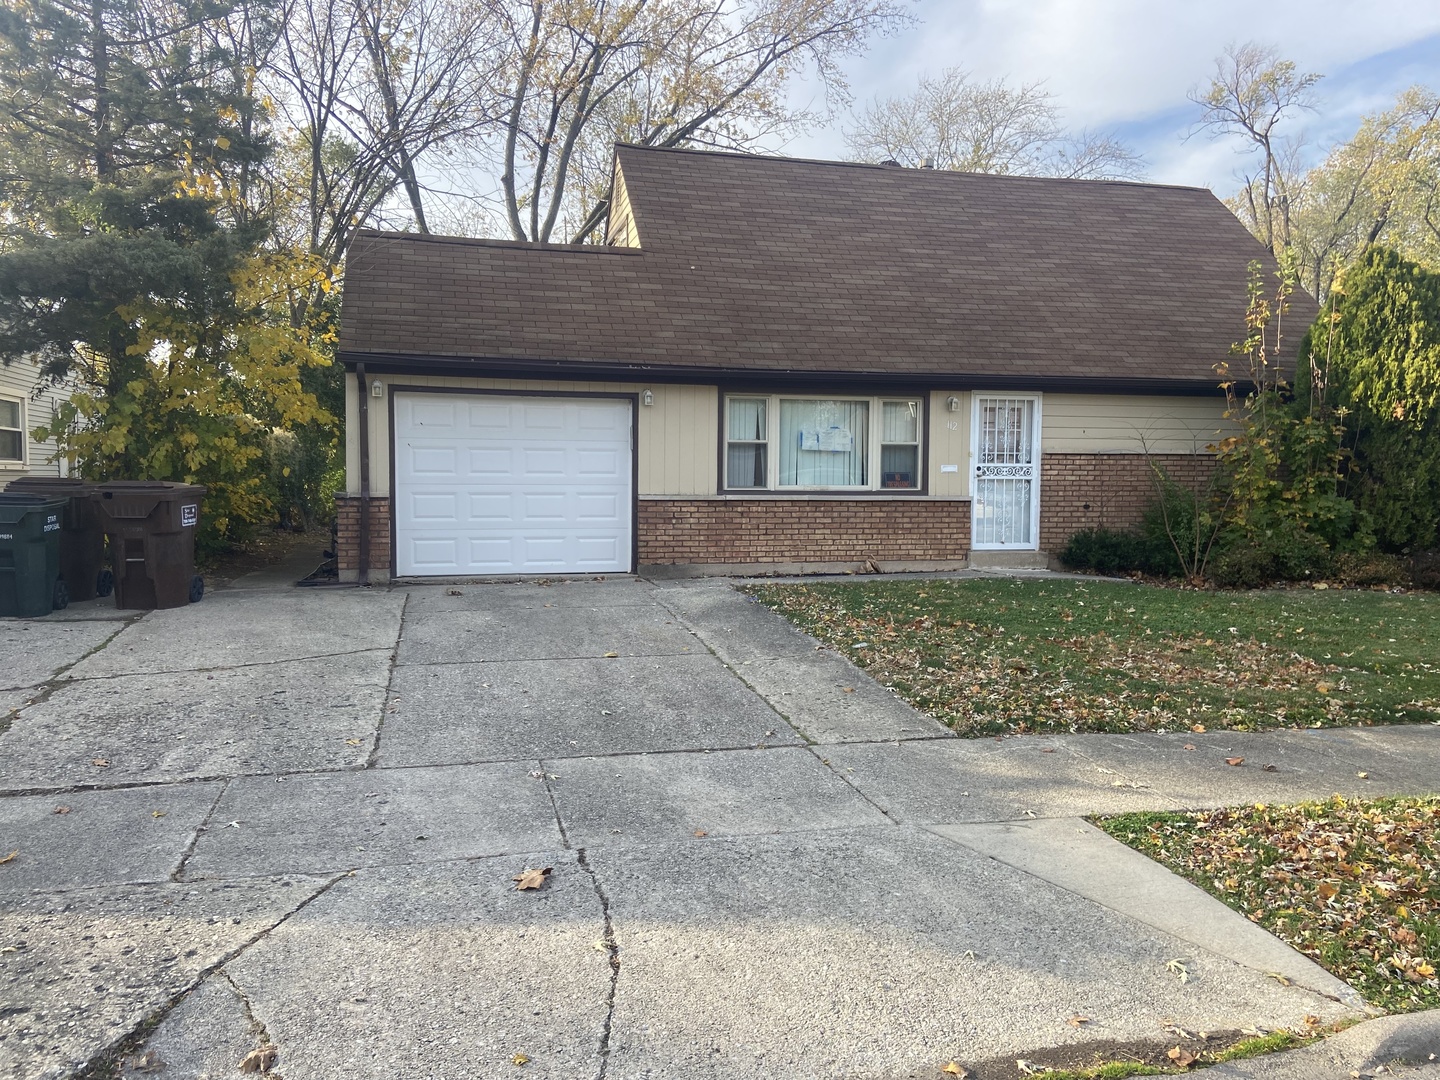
[[151, 525], [30, 582], [82, 537]]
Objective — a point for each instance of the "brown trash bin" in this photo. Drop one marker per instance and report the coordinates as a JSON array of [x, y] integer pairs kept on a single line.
[[82, 533], [151, 525]]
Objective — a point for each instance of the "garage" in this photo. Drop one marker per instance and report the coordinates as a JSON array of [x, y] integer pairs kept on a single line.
[[511, 484]]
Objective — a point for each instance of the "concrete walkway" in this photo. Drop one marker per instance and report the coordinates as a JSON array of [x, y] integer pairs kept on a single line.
[[293, 816]]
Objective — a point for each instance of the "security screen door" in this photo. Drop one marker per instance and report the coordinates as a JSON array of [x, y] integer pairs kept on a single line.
[[1007, 472]]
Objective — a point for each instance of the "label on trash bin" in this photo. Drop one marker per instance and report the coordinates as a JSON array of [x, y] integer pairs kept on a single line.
[[190, 514], [7, 536], [52, 523]]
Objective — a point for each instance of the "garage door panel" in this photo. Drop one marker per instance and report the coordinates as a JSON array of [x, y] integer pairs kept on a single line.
[[517, 485]]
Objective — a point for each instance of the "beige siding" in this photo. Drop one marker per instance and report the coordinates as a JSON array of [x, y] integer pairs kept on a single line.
[[1118, 424], [17, 383], [949, 443], [621, 230], [676, 444]]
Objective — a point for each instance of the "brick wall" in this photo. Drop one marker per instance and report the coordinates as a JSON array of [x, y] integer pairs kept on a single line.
[[801, 530], [1083, 491], [347, 533]]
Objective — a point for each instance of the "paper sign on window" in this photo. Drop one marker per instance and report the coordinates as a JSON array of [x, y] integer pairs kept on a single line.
[[832, 440]]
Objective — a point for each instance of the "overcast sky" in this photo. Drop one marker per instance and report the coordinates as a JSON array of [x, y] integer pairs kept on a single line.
[[1126, 65]]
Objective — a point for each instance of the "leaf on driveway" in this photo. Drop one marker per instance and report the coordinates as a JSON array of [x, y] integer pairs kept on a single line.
[[531, 879], [1179, 968], [352, 742], [1234, 761], [611, 655], [61, 810], [10, 857], [1267, 768], [100, 763], [1078, 1021], [1283, 980], [520, 1059], [158, 813], [701, 832], [147, 1062], [954, 1068], [260, 1060]]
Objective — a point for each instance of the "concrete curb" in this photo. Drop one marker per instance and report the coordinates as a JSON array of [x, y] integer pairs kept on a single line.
[[1407, 1039]]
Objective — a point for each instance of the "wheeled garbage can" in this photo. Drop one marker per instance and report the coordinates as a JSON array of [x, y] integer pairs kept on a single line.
[[82, 537], [30, 583], [151, 525]]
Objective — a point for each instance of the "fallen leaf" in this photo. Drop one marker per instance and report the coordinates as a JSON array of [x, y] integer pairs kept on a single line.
[[1076, 1021], [1363, 775], [1179, 969], [457, 592], [849, 689], [531, 879], [1234, 761], [147, 1062], [1322, 688], [701, 832], [1283, 980], [352, 742], [1047, 750], [954, 1068], [1182, 1057], [61, 810], [1311, 1020], [10, 857], [1267, 768], [259, 1060], [1188, 746], [1199, 729], [611, 655], [100, 763], [1029, 1068], [1327, 891], [157, 813], [520, 1059]]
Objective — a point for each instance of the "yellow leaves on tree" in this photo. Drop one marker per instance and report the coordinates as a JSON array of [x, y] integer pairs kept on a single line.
[[202, 389]]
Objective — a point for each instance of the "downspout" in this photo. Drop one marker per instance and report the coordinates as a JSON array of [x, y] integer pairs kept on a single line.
[[364, 574]]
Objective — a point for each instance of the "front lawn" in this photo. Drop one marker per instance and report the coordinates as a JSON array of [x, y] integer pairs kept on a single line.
[[995, 656], [1350, 884]]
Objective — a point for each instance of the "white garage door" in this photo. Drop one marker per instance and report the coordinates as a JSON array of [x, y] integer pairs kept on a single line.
[[511, 485]]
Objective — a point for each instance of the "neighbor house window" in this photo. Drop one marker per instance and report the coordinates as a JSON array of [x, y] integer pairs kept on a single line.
[[783, 442], [12, 432]]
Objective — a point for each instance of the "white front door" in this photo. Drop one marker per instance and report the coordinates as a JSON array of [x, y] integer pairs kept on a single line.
[[500, 484], [1005, 508]]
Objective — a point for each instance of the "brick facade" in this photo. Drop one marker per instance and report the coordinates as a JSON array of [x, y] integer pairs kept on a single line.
[[1083, 491], [347, 533], [721, 531]]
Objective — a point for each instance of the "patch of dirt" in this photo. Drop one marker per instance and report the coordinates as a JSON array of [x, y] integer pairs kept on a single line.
[[1088, 1055], [265, 548]]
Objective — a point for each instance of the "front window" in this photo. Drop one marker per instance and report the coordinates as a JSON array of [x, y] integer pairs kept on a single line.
[[12, 432], [783, 442]]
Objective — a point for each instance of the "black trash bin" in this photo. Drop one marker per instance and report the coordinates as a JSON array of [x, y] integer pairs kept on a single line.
[[82, 536], [30, 582], [151, 525]]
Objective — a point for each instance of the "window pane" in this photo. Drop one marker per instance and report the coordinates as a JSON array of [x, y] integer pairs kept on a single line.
[[9, 414], [745, 465], [10, 445], [900, 422], [823, 443], [900, 466], [747, 419]]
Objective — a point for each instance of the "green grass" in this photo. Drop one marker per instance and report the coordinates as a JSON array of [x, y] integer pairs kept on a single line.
[[1352, 884], [995, 656]]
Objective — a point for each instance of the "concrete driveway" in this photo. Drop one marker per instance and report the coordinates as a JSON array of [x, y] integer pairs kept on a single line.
[[293, 817]]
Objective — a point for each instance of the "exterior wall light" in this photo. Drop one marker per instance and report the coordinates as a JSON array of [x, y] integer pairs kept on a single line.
[[647, 397], [377, 389], [952, 403]]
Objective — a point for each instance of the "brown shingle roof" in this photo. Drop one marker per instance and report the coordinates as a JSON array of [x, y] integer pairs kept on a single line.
[[771, 265]]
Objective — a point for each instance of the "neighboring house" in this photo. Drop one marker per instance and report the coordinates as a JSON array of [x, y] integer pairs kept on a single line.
[[788, 365], [21, 412]]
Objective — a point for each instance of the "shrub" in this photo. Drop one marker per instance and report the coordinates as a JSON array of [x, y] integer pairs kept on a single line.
[[1106, 551], [1259, 559]]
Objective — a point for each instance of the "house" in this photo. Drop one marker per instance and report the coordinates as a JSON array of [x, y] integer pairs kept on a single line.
[[26, 402], [787, 365]]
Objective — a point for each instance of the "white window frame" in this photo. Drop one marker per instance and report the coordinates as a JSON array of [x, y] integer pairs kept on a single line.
[[875, 409], [23, 460]]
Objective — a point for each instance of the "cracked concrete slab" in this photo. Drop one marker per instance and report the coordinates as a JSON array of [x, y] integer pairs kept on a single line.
[[955, 780], [565, 594], [81, 970], [12, 701], [280, 717], [244, 627], [507, 632], [1079, 858], [656, 797], [570, 708], [884, 953], [443, 970], [100, 837], [1201, 777], [736, 626], [205, 1037], [830, 700], [32, 651], [335, 821]]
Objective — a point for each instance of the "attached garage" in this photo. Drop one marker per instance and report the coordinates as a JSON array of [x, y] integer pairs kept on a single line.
[[512, 484]]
